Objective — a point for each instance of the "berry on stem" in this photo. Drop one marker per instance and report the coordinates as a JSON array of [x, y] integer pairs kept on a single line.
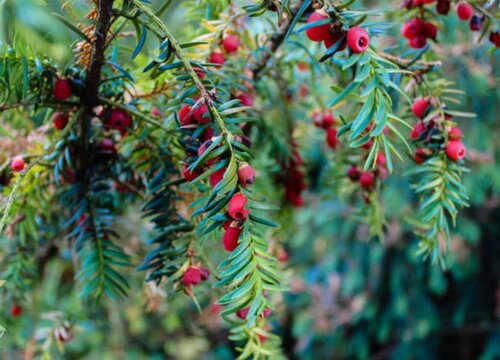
[[464, 10], [476, 23], [412, 28], [495, 38], [366, 180], [62, 89], [331, 138], [443, 7], [192, 276], [430, 30], [119, 119], [16, 310], [189, 175], [185, 115], [318, 33], [60, 120], [17, 164], [420, 106], [353, 173], [217, 58], [246, 175], [358, 39], [236, 207], [216, 177], [231, 236], [455, 150], [199, 114], [332, 39], [231, 43], [245, 99]]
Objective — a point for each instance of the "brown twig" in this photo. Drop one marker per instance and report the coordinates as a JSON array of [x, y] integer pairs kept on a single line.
[[274, 44], [407, 63], [90, 95]]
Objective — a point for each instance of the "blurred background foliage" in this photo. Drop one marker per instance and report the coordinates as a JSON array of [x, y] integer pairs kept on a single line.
[[351, 296]]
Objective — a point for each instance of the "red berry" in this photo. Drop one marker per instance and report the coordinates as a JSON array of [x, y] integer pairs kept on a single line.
[[476, 23], [430, 30], [455, 150], [205, 273], [495, 38], [201, 74], [455, 134], [418, 129], [189, 175], [412, 28], [155, 111], [443, 7], [216, 177], [242, 313], [246, 175], [185, 115], [231, 236], [17, 164], [328, 120], [192, 276], [208, 134], [419, 107], [368, 145], [358, 39], [417, 42], [464, 11], [353, 173], [420, 155], [119, 119], [60, 120], [200, 114], [203, 147], [16, 310], [236, 207], [62, 89], [107, 146], [217, 58], [381, 160], [366, 179], [283, 255], [332, 39], [323, 121], [294, 198], [245, 99], [331, 138], [318, 33], [231, 43]]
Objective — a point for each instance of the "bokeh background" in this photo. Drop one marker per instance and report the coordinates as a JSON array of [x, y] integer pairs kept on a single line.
[[350, 297]]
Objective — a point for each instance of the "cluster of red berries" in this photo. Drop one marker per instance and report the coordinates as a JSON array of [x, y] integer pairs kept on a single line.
[[356, 37], [246, 174], [230, 44], [367, 179], [294, 179], [417, 30], [194, 275], [237, 214], [326, 121], [426, 133]]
